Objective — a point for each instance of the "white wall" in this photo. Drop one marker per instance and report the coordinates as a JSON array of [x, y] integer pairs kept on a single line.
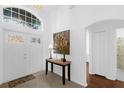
[[88, 45], [1, 57], [1, 51], [47, 35], [120, 74], [120, 32], [59, 20], [77, 19]]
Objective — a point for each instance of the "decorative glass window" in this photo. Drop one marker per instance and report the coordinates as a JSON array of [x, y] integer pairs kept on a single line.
[[20, 16]]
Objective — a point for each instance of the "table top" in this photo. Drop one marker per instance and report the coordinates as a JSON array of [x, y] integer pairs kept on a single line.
[[58, 61]]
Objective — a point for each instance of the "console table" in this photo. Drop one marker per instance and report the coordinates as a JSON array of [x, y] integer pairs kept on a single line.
[[60, 63]]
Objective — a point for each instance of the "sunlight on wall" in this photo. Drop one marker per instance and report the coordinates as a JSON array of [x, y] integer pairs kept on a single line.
[[120, 50]]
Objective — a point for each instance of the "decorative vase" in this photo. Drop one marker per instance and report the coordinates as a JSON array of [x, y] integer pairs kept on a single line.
[[50, 54], [63, 59]]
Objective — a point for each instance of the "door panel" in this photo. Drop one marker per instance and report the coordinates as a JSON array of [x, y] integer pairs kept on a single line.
[[33, 53], [99, 52], [13, 65], [22, 55]]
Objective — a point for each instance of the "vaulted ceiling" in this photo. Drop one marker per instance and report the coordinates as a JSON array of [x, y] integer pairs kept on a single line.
[[43, 8]]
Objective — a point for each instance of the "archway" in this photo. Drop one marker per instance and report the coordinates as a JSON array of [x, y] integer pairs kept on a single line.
[[108, 65]]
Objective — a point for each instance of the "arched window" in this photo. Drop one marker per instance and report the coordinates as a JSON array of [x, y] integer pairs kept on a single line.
[[20, 16]]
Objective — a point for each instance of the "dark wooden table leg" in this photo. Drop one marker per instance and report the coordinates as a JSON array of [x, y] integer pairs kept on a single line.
[[63, 74], [46, 67], [51, 67], [69, 72]]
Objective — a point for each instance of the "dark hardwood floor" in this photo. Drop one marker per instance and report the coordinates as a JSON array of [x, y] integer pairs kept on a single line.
[[96, 81]]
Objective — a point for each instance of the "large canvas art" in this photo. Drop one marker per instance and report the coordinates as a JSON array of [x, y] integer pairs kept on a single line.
[[62, 42]]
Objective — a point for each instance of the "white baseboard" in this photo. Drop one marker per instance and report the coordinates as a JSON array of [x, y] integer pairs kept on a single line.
[[111, 77], [85, 85]]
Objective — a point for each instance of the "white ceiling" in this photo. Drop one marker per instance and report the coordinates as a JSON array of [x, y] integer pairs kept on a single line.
[[44, 8]]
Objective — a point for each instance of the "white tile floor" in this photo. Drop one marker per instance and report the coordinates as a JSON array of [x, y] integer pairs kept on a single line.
[[51, 80], [41, 80]]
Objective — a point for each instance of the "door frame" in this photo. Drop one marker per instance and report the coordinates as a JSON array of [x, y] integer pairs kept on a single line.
[[90, 50], [112, 75]]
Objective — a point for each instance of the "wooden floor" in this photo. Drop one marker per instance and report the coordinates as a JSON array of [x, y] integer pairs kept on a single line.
[[101, 82], [96, 81]]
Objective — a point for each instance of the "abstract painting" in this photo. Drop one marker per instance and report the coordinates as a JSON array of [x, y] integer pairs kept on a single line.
[[62, 42]]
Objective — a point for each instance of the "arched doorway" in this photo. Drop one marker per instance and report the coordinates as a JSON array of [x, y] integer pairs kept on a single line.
[[102, 47]]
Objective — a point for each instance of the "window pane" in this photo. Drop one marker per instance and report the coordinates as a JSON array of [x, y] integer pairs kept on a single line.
[[29, 25], [15, 10], [8, 8], [7, 12], [28, 14], [22, 12], [15, 15], [7, 19], [35, 27], [33, 17], [33, 21], [21, 17], [38, 22], [28, 20]]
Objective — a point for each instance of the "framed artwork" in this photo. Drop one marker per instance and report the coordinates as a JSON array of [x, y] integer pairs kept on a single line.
[[62, 42]]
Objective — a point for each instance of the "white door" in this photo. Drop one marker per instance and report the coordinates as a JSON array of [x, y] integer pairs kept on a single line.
[[99, 52], [32, 53], [22, 55], [14, 64]]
